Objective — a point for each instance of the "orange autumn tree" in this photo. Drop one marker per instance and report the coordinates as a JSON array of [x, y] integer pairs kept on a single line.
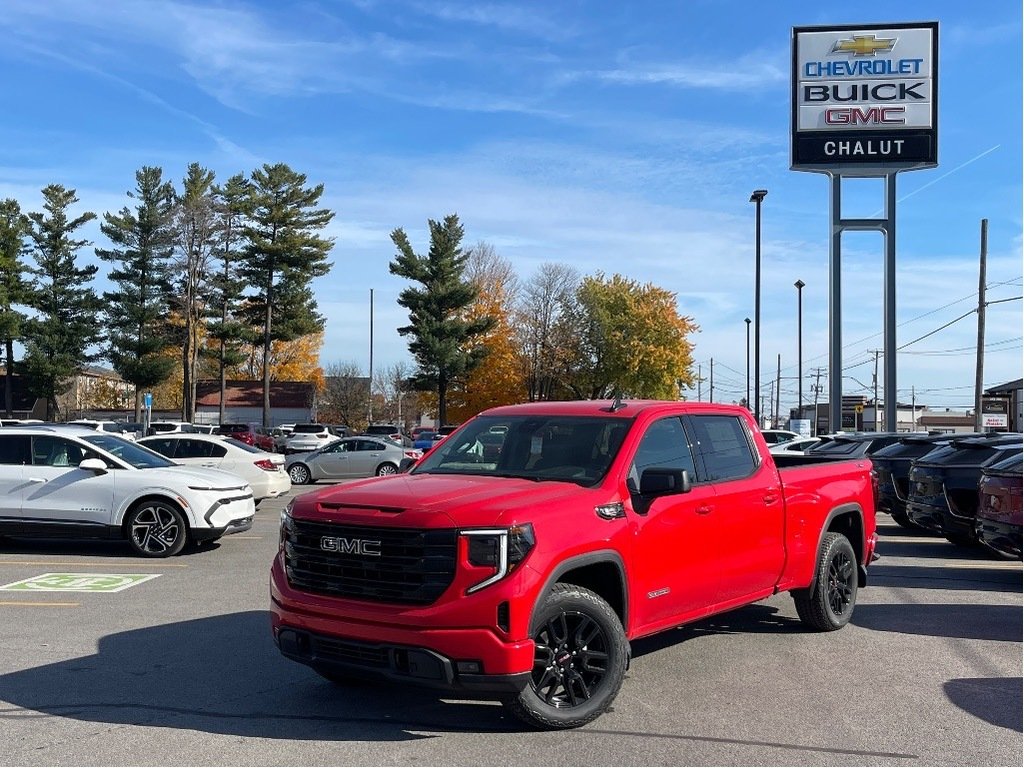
[[297, 360], [499, 379]]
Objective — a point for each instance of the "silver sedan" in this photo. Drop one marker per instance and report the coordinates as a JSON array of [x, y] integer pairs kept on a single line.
[[347, 458]]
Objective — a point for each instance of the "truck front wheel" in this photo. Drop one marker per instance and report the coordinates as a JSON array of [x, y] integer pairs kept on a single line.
[[579, 661], [828, 604]]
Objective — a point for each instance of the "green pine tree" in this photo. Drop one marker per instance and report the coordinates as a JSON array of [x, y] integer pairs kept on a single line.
[[14, 228], [137, 311], [282, 255], [58, 338], [226, 287], [442, 338]]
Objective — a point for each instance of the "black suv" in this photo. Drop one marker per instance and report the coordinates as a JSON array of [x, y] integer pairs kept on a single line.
[[944, 483], [853, 446], [891, 469]]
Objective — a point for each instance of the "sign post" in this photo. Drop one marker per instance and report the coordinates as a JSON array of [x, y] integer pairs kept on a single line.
[[865, 104]]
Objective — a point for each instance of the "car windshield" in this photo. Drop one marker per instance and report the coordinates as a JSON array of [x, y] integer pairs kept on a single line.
[[571, 449], [131, 453], [308, 429]]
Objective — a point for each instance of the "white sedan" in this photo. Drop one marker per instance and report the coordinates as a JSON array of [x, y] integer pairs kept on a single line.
[[74, 482], [263, 471]]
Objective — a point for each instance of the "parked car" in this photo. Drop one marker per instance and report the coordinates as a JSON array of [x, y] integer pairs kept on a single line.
[[75, 482], [162, 427], [347, 458], [123, 428], [944, 484], [205, 429], [308, 437], [385, 430], [280, 435], [264, 473], [252, 434], [998, 525], [891, 471], [773, 436], [854, 444], [795, 446], [524, 575], [426, 440]]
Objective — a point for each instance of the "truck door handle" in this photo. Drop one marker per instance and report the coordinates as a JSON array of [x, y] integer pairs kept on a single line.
[[704, 509], [37, 479], [770, 498]]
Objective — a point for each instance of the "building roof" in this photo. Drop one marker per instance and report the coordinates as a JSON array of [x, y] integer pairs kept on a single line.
[[249, 394], [1009, 386]]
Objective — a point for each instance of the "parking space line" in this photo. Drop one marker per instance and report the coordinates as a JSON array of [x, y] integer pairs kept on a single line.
[[34, 604], [93, 565], [239, 538]]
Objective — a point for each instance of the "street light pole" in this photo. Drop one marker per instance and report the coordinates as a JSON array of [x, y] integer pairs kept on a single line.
[[756, 197], [800, 348], [747, 321]]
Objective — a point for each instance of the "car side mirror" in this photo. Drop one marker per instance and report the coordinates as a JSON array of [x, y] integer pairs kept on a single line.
[[93, 465], [658, 481], [406, 464]]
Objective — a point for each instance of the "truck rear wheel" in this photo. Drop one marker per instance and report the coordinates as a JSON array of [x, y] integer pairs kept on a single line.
[[579, 661], [828, 604]]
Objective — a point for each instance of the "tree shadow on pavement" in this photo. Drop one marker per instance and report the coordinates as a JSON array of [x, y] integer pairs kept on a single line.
[[223, 674], [996, 700]]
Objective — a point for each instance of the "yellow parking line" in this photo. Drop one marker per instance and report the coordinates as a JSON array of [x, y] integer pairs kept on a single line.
[[38, 605], [111, 564]]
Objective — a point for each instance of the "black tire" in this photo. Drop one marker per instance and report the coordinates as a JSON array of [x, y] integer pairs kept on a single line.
[[901, 519], [155, 528], [299, 473], [387, 468], [829, 603], [579, 664], [961, 540]]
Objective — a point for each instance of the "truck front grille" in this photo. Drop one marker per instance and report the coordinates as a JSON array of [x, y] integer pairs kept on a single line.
[[388, 565]]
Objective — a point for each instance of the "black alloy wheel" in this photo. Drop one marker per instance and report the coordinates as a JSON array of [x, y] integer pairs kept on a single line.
[[828, 603], [580, 661]]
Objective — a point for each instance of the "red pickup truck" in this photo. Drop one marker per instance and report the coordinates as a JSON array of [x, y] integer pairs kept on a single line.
[[519, 557]]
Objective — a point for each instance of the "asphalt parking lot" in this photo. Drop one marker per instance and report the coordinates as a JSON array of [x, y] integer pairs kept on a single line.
[[180, 669]]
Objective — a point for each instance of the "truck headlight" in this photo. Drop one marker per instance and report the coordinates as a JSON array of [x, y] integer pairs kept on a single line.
[[286, 524], [500, 549]]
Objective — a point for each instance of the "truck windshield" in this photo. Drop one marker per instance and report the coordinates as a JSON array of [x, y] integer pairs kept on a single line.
[[571, 449]]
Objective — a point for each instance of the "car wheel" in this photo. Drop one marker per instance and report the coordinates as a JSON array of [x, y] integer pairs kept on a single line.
[[961, 539], [156, 528], [828, 604], [387, 469], [299, 473], [580, 661], [901, 519]]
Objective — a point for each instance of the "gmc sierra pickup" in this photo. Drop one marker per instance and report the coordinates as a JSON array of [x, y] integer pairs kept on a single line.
[[519, 558]]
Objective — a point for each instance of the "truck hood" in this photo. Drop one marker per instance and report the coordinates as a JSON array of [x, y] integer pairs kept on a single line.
[[465, 500]]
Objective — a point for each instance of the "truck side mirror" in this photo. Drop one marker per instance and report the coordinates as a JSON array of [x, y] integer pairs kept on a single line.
[[659, 481], [406, 464]]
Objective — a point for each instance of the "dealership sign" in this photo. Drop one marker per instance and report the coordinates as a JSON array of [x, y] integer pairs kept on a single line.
[[865, 98]]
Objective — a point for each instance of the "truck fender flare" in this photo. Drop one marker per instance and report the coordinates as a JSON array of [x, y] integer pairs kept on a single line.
[[842, 509], [599, 557]]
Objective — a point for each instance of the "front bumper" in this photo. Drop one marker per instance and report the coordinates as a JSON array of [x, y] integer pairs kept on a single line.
[[1004, 538], [393, 663], [233, 526], [450, 645], [937, 517]]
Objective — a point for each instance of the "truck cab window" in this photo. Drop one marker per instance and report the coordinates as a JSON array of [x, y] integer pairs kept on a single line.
[[664, 445]]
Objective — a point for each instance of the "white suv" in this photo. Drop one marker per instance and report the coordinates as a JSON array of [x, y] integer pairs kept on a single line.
[[63, 481], [308, 437]]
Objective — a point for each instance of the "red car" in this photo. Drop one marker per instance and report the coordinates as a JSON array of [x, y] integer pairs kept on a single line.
[[998, 525], [251, 434]]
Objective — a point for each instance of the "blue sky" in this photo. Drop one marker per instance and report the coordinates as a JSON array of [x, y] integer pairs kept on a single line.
[[621, 137]]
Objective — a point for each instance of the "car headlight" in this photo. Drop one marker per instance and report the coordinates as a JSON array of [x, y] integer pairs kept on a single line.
[[287, 524], [500, 549]]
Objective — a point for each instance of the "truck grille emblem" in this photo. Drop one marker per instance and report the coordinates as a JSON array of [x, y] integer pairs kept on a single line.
[[367, 547]]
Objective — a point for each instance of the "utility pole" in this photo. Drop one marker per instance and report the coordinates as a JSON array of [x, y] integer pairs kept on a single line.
[[874, 380], [980, 368], [699, 380], [913, 410], [369, 403], [711, 396], [778, 389], [817, 389]]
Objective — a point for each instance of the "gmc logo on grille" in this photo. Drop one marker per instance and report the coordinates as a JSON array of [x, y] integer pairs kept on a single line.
[[366, 547]]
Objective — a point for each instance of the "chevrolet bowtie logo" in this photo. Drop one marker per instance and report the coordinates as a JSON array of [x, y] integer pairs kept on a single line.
[[864, 45]]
